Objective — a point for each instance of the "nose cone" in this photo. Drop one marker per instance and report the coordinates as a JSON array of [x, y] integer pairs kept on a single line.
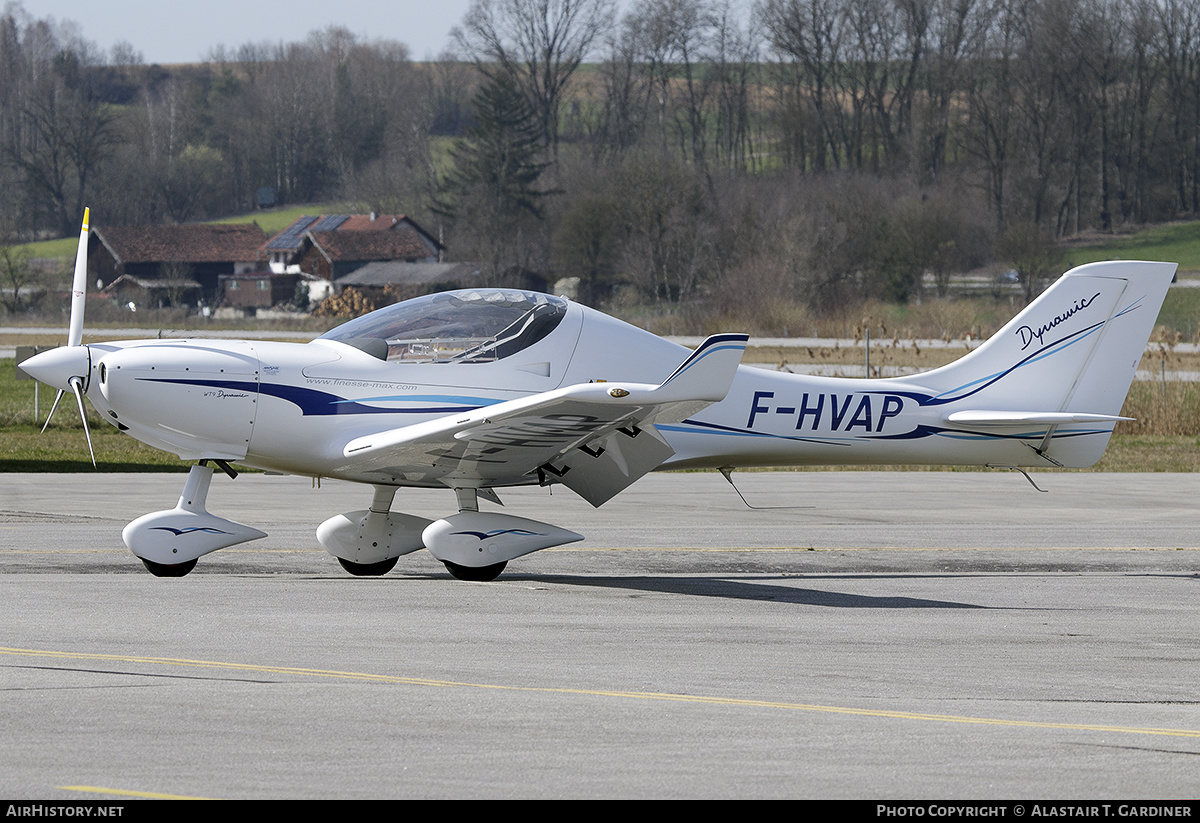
[[57, 366]]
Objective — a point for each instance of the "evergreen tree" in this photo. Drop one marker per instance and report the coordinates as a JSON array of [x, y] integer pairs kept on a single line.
[[492, 194], [496, 166]]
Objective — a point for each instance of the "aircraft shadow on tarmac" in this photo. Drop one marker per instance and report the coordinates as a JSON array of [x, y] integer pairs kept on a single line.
[[752, 589], [728, 587]]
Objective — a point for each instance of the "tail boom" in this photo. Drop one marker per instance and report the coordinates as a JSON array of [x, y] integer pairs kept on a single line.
[[1046, 390]]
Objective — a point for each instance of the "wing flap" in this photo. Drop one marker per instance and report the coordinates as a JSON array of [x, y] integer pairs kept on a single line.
[[597, 473]]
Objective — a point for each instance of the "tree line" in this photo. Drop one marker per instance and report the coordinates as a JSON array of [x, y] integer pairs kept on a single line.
[[808, 151]]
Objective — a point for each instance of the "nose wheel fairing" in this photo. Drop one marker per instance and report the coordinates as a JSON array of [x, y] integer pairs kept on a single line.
[[181, 535]]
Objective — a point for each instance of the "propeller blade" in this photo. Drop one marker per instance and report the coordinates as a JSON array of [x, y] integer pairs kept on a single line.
[[77, 387], [79, 286], [57, 397], [69, 365]]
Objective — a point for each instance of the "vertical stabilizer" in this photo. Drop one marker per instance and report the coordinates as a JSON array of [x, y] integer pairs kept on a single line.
[[1075, 350]]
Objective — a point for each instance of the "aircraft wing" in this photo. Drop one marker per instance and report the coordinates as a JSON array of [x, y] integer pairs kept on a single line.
[[595, 438]]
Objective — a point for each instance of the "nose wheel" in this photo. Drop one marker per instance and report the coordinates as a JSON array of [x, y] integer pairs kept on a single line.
[[368, 569], [168, 569], [478, 574]]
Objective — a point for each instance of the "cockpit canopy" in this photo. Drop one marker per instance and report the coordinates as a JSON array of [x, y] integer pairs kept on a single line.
[[468, 326]]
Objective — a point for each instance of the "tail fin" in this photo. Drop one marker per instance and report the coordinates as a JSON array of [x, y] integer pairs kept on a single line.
[[1073, 351]]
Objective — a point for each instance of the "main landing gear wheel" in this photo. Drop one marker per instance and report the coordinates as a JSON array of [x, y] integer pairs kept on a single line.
[[478, 574], [368, 569], [168, 569]]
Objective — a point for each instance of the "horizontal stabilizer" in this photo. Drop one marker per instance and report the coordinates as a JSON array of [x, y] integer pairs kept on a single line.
[[1025, 418]]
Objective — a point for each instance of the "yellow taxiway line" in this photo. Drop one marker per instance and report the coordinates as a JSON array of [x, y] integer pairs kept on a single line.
[[656, 696]]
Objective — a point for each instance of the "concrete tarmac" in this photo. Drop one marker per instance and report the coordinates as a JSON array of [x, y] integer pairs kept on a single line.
[[914, 635]]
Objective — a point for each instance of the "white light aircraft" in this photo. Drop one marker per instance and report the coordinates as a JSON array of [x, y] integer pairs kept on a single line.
[[486, 388]]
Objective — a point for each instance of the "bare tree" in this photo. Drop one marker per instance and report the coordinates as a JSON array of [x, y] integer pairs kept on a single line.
[[677, 40], [176, 277], [1137, 118], [15, 274], [808, 36], [668, 233], [991, 130], [1033, 253], [57, 131], [539, 42], [735, 54], [955, 29], [626, 94], [1179, 51]]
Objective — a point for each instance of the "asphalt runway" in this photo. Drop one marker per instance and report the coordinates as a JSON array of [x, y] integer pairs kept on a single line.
[[931, 635]]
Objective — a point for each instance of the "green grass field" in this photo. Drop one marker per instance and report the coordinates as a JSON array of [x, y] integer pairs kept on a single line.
[[1181, 313], [1172, 242], [63, 447], [273, 221]]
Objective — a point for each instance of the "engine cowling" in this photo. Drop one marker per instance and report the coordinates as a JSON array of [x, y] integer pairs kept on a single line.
[[195, 398]]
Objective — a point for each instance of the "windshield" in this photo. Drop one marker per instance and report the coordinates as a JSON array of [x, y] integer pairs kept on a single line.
[[470, 326]]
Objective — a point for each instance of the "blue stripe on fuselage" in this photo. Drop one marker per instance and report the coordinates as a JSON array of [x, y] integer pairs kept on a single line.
[[314, 403]]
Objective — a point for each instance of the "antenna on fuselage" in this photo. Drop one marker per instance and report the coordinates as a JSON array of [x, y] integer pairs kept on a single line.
[[727, 473]]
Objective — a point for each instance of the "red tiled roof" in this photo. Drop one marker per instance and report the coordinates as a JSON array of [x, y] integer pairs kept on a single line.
[[190, 244], [363, 222], [292, 237], [402, 244]]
